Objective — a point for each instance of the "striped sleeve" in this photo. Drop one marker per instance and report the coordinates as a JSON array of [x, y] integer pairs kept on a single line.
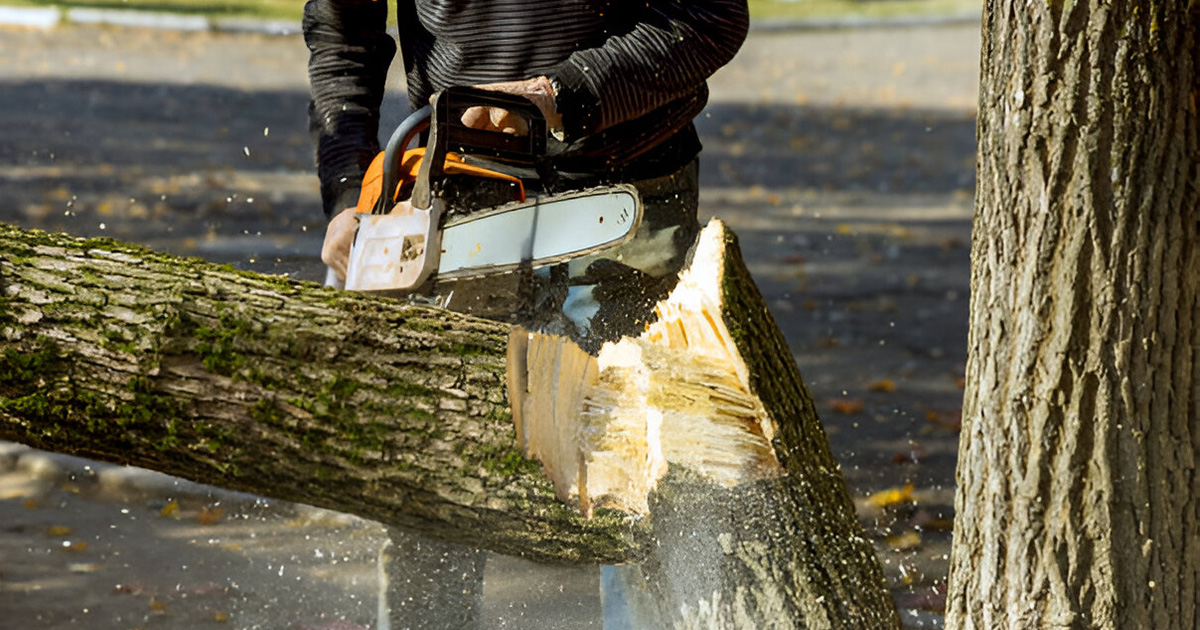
[[670, 47], [349, 57]]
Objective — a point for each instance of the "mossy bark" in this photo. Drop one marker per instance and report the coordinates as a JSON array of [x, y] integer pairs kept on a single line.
[[1077, 502], [369, 406]]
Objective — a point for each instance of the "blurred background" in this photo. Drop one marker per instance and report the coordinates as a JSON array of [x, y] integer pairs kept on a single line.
[[839, 146]]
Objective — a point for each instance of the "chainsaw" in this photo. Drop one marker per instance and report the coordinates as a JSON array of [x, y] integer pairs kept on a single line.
[[468, 214]]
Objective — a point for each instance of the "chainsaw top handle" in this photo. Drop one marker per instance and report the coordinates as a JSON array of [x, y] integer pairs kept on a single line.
[[443, 119]]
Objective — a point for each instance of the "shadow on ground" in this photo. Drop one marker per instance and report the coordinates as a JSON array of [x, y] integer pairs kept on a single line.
[[854, 221]]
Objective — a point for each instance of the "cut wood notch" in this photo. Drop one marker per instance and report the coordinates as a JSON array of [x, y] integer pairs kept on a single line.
[[607, 428]]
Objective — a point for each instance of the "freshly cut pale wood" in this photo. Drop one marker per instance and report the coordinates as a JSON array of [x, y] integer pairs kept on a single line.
[[607, 428]]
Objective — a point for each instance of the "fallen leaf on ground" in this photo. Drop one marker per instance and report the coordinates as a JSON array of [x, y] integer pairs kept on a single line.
[[210, 515], [909, 575], [891, 496], [58, 530], [911, 456], [132, 588], [170, 509], [904, 542], [948, 420], [882, 385], [847, 405], [209, 588]]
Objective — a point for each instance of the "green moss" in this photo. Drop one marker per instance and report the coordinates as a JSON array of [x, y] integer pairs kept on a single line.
[[432, 326], [114, 337], [24, 366], [340, 390], [108, 244], [218, 345], [311, 440], [335, 410], [466, 350], [513, 463], [148, 407], [169, 441], [266, 411], [502, 460], [41, 390], [426, 418], [302, 404], [405, 390], [267, 381], [46, 409], [229, 469]]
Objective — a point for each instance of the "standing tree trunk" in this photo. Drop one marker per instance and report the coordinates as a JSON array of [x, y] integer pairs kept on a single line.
[[1077, 501]]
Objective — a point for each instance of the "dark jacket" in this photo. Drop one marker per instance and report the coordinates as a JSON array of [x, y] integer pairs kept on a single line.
[[631, 73]]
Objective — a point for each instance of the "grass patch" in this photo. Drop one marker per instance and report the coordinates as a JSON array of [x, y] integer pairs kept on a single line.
[[826, 9], [262, 9], [292, 9]]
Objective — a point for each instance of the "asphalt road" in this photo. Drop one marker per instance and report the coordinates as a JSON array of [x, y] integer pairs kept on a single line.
[[843, 159]]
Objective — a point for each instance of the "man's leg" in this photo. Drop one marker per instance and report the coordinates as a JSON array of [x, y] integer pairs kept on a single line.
[[627, 284], [429, 585]]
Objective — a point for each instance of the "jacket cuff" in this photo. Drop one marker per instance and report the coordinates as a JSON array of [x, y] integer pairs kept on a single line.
[[579, 107], [339, 199]]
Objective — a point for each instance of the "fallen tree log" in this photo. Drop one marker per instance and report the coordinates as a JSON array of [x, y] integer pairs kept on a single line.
[[693, 449]]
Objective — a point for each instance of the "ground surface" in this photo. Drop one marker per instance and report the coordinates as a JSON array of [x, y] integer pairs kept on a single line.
[[843, 159]]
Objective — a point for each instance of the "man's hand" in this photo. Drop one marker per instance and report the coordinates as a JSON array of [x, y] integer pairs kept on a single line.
[[339, 236], [538, 90]]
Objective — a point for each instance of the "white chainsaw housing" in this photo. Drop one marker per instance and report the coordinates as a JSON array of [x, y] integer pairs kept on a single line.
[[402, 250]]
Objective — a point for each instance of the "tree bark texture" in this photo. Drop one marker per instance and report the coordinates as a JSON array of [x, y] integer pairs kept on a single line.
[[389, 411], [1077, 501], [398, 413]]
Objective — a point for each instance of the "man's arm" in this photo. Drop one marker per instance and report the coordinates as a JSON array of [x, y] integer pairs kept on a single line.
[[350, 54], [671, 46]]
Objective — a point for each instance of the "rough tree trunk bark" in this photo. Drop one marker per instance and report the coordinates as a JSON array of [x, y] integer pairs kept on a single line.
[[1077, 502], [399, 413]]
